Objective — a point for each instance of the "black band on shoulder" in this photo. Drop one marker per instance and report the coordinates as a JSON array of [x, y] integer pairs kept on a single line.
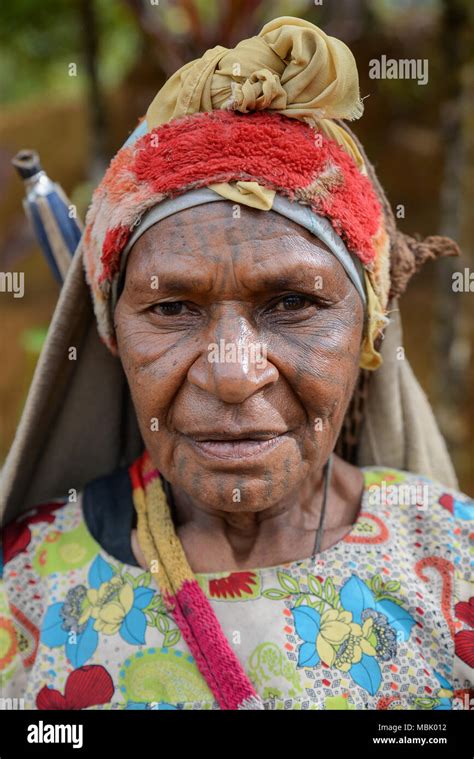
[[109, 514]]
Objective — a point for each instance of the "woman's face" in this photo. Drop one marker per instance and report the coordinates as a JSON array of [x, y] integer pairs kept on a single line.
[[240, 339]]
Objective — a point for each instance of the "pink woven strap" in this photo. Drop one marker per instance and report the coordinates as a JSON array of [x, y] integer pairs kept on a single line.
[[196, 619], [216, 660]]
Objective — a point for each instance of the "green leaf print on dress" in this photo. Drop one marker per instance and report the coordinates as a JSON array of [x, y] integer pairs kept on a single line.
[[390, 476], [162, 675], [338, 703], [61, 552], [267, 667]]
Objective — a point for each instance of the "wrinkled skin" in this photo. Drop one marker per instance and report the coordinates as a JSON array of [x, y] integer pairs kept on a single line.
[[245, 281]]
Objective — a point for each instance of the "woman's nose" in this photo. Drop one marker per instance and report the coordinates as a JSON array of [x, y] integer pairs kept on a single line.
[[234, 364]]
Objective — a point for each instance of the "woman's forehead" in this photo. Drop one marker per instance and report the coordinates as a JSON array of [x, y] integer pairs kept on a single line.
[[262, 242]]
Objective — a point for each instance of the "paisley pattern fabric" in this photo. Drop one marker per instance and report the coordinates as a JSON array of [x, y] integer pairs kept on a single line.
[[384, 619]]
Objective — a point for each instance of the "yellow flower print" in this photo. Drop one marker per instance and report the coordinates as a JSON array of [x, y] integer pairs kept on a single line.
[[108, 605], [334, 629], [112, 614], [359, 641], [341, 642]]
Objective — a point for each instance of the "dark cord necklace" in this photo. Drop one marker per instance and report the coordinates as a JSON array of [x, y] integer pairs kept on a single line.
[[319, 529], [169, 494]]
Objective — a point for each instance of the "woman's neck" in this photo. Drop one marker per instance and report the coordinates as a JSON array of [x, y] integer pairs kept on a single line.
[[284, 532]]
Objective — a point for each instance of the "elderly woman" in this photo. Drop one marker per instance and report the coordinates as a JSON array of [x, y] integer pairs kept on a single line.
[[245, 502]]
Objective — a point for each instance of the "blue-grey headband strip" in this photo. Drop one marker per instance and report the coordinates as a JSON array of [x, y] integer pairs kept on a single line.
[[302, 215]]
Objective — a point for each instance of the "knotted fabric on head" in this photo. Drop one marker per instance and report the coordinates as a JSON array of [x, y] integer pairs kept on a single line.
[[291, 67], [249, 123]]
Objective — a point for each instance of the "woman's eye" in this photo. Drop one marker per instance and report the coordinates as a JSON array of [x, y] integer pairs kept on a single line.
[[173, 308], [292, 302]]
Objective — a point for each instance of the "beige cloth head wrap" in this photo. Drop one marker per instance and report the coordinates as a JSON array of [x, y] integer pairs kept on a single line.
[[291, 67]]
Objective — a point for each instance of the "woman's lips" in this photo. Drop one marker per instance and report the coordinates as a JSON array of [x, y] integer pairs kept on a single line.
[[237, 449]]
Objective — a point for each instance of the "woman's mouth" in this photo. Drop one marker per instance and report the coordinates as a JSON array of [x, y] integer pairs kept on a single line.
[[238, 448]]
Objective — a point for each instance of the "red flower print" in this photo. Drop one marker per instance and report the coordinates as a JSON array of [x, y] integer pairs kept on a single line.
[[87, 686], [233, 585], [17, 535], [465, 611], [464, 639], [464, 646]]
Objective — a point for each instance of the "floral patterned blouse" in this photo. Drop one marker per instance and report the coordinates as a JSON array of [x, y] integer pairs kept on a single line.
[[383, 619]]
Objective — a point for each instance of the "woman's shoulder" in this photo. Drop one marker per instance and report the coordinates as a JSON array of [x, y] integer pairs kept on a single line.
[[402, 487], [43, 537], [440, 515], [65, 532], [20, 535]]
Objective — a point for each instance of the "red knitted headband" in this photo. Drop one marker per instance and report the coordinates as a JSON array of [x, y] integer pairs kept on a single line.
[[279, 153]]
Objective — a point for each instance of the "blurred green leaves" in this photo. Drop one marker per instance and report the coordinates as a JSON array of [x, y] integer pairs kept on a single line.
[[38, 41]]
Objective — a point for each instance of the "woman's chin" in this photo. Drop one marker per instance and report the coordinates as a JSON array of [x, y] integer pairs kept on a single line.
[[247, 495]]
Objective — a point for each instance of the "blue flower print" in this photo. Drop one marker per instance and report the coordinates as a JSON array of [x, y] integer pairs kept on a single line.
[[110, 605]]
